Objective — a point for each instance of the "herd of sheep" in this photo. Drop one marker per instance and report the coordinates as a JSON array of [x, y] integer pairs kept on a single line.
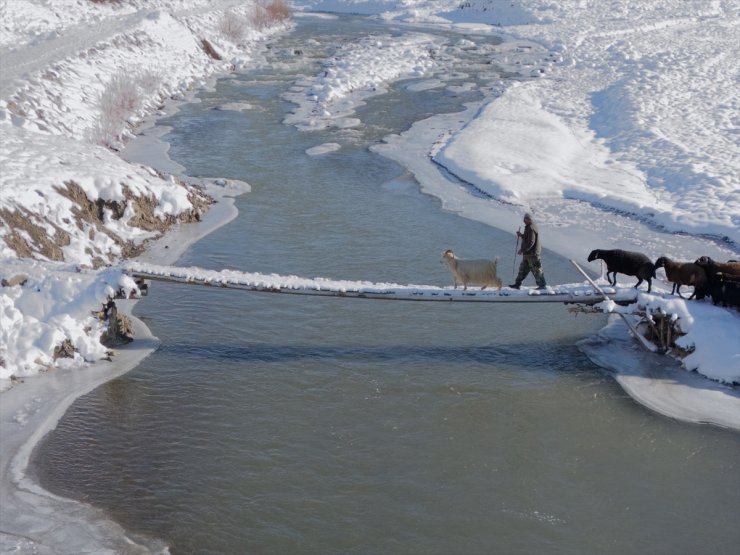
[[718, 280]]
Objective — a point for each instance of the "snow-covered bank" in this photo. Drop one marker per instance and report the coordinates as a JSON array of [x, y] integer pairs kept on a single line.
[[703, 326], [635, 114], [76, 78], [49, 308], [660, 384], [33, 520]]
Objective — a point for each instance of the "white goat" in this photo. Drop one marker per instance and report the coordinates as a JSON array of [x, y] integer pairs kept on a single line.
[[473, 272]]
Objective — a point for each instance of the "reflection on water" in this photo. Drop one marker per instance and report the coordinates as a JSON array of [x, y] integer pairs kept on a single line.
[[267, 424], [279, 353]]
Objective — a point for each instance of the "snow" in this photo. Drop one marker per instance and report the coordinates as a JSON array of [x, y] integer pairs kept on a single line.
[[620, 129], [51, 307], [236, 106], [356, 72], [538, 157], [702, 324], [323, 149], [59, 65], [647, 88]]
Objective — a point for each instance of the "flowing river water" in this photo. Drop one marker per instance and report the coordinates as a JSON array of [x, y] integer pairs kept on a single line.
[[274, 424]]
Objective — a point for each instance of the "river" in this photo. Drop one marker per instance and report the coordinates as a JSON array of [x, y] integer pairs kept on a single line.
[[281, 424]]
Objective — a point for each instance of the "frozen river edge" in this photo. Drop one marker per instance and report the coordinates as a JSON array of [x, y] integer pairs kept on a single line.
[[658, 382], [32, 519]]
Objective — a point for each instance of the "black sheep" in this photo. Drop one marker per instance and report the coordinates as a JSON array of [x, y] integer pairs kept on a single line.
[[725, 291], [728, 270], [625, 262]]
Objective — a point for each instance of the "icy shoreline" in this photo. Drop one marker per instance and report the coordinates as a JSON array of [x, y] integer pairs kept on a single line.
[[55, 70], [32, 518], [660, 383], [669, 395]]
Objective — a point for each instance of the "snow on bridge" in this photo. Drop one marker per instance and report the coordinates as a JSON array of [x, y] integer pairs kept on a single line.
[[575, 293]]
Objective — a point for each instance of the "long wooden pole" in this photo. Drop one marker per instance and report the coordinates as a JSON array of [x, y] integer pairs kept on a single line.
[[516, 250], [636, 334]]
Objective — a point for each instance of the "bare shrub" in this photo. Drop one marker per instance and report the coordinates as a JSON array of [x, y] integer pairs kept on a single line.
[[232, 26], [149, 81], [279, 10], [270, 12], [118, 101], [123, 96]]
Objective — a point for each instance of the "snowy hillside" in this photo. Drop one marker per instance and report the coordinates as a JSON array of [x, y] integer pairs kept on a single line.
[[70, 98], [77, 76]]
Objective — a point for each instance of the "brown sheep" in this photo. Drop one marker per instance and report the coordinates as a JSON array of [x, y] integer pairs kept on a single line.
[[683, 273], [729, 269]]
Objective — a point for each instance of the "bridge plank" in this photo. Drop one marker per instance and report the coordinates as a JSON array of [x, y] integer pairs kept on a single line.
[[580, 293]]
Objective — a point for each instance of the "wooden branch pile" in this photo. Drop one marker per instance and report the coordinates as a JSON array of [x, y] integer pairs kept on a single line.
[[662, 329]]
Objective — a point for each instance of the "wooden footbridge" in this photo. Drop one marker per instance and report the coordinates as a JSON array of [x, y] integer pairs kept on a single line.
[[587, 293]]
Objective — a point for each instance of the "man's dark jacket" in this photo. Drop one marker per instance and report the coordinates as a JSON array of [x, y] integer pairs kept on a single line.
[[531, 240]]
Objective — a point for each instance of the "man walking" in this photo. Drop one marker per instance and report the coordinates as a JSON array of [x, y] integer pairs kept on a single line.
[[530, 251]]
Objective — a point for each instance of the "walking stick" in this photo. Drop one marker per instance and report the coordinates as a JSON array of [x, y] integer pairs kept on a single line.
[[516, 250]]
